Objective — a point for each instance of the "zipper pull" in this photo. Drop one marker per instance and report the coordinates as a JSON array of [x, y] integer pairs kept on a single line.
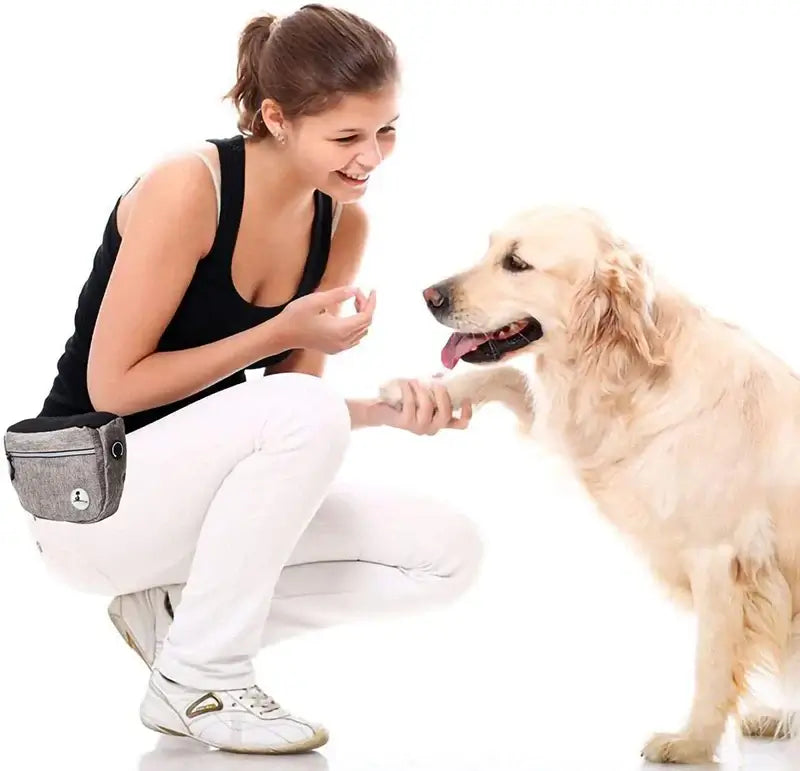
[[11, 471]]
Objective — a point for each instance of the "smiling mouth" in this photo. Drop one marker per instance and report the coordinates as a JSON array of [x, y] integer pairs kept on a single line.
[[353, 179], [488, 347]]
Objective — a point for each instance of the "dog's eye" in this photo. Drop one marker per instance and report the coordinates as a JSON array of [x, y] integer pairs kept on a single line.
[[513, 263]]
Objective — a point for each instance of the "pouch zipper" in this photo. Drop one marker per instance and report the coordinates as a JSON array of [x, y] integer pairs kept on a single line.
[[44, 454]]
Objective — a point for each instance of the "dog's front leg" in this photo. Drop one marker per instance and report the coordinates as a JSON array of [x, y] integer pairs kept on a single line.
[[719, 678], [506, 385]]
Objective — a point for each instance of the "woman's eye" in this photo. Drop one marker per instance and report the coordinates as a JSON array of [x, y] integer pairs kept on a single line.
[[516, 265], [353, 137]]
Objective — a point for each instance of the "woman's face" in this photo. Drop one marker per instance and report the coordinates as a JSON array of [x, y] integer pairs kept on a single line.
[[337, 150]]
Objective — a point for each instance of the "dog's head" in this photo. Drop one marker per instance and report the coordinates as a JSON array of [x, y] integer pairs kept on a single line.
[[550, 272]]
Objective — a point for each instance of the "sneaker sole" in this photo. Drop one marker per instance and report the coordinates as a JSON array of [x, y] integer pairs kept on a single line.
[[313, 742]]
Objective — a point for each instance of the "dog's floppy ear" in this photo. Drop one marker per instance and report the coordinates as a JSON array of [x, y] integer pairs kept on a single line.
[[612, 322]]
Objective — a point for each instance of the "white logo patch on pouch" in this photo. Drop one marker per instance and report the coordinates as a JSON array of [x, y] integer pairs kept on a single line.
[[79, 498]]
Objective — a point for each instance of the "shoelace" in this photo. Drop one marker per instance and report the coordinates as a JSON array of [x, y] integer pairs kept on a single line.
[[256, 699]]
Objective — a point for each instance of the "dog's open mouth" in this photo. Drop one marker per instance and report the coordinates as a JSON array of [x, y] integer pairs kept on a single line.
[[488, 347]]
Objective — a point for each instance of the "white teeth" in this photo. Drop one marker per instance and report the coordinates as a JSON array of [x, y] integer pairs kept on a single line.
[[355, 177], [509, 329]]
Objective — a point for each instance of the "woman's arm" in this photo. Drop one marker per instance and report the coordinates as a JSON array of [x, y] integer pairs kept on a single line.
[[169, 227], [424, 410], [344, 261]]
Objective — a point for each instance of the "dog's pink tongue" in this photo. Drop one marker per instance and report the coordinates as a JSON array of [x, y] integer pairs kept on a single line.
[[458, 345]]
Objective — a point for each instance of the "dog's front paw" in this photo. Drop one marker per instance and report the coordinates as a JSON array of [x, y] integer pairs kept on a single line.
[[677, 748], [391, 393]]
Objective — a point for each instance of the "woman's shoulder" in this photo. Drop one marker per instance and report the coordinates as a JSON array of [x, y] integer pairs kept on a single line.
[[186, 163], [184, 181]]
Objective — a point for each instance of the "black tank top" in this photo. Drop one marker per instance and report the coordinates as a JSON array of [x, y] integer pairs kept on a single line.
[[211, 308]]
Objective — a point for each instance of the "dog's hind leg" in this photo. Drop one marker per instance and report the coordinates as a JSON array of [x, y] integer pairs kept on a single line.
[[772, 707], [766, 724], [759, 721], [719, 595]]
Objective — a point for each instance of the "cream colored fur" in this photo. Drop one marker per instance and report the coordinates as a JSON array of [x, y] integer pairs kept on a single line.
[[685, 432]]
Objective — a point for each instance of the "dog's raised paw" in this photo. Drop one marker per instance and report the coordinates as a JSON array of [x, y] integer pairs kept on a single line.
[[391, 393], [677, 748]]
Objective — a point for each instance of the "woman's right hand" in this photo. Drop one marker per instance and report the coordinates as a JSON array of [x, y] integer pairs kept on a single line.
[[311, 321]]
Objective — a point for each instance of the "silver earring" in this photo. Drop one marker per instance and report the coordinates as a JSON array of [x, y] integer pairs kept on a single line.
[[281, 138]]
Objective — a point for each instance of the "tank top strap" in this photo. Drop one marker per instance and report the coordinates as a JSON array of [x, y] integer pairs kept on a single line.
[[321, 234], [231, 198], [214, 172], [337, 212], [232, 178]]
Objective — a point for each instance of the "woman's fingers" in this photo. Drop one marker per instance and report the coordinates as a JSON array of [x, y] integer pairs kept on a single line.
[[425, 406], [347, 332], [444, 409], [357, 334], [369, 307], [356, 340], [409, 410], [365, 307], [463, 420], [427, 409]]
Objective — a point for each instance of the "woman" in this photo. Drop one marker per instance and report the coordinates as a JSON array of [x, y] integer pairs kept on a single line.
[[232, 533]]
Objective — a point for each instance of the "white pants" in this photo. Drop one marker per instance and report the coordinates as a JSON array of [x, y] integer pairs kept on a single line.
[[233, 499]]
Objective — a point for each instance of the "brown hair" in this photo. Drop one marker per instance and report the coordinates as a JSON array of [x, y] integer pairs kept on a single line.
[[307, 62]]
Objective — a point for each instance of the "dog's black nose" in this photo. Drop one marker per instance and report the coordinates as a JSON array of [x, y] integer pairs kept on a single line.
[[437, 297]]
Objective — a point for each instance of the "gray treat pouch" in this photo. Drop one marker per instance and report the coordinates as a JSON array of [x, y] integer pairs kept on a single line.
[[68, 469]]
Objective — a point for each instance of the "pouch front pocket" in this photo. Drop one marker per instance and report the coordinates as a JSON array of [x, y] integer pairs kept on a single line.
[[68, 468], [62, 485]]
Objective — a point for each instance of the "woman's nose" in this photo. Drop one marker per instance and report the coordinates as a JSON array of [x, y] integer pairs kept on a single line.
[[371, 156]]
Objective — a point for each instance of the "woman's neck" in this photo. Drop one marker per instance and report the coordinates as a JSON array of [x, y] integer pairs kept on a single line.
[[273, 181]]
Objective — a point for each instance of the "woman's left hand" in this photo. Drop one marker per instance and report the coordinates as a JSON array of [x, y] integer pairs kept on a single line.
[[424, 411]]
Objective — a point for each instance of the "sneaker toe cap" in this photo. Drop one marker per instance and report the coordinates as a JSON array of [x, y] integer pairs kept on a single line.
[[263, 735]]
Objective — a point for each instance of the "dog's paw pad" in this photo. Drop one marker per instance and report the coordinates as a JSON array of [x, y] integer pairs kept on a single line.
[[677, 748]]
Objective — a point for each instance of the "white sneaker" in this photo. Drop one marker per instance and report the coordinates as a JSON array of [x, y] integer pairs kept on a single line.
[[172, 753], [240, 720], [143, 619]]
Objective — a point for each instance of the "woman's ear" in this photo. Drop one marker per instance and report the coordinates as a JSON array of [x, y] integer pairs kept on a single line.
[[612, 319], [272, 115]]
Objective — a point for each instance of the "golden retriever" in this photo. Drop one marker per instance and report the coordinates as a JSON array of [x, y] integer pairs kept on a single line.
[[684, 431]]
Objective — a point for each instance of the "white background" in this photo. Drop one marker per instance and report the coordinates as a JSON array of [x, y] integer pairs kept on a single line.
[[676, 120]]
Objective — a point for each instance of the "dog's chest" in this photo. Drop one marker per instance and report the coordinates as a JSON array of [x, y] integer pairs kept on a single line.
[[634, 491], [568, 428], [545, 426]]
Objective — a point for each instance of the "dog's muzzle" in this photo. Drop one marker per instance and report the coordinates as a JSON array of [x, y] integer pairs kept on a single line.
[[438, 298]]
